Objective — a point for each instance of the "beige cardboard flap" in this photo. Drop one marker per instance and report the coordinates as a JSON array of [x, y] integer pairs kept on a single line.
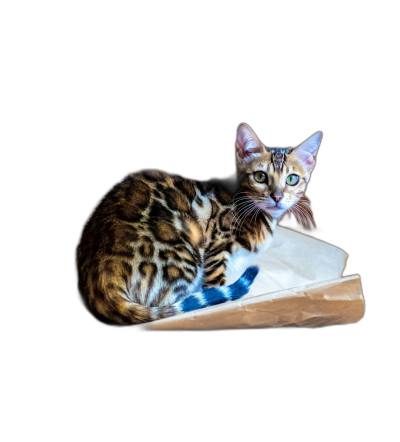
[[334, 302]]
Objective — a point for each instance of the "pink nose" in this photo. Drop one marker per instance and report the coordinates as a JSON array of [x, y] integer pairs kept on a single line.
[[277, 198]]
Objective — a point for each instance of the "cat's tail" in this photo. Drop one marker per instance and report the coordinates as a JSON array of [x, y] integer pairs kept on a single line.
[[209, 296], [109, 306]]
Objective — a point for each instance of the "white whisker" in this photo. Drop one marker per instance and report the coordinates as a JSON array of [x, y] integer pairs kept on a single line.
[[247, 213], [237, 216], [302, 213]]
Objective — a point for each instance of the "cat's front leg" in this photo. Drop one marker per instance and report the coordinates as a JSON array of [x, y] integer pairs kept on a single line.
[[225, 264], [215, 262]]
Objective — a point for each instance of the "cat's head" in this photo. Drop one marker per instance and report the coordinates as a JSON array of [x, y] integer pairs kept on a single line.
[[275, 179]]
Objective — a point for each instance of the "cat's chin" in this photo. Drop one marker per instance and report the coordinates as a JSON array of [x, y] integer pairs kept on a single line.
[[276, 212]]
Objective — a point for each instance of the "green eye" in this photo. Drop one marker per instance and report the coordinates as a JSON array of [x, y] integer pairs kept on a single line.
[[260, 177], [292, 180]]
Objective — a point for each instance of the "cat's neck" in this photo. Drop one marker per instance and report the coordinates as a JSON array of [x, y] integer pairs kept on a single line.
[[256, 233]]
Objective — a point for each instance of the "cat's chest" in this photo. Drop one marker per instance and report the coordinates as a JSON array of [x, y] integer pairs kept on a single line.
[[240, 259]]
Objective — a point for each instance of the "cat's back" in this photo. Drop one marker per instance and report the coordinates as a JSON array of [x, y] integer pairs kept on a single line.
[[145, 223]]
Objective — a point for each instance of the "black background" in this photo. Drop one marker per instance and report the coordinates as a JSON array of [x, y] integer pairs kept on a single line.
[[122, 116]]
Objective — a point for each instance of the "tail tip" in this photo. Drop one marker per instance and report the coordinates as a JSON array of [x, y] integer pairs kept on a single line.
[[251, 273]]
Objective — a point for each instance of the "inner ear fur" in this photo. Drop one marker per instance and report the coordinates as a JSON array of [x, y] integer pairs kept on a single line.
[[306, 152], [247, 143]]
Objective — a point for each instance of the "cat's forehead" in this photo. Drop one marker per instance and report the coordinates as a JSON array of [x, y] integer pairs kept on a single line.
[[267, 154], [276, 160], [278, 150]]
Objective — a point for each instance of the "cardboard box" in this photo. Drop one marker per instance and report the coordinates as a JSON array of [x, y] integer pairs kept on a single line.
[[300, 284]]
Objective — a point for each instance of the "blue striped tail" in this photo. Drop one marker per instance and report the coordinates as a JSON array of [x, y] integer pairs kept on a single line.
[[219, 295]]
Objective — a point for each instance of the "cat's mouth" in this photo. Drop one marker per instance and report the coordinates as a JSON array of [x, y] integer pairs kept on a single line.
[[276, 206], [276, 210]]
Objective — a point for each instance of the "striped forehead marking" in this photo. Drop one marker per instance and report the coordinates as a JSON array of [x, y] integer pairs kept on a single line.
[[278, 157]]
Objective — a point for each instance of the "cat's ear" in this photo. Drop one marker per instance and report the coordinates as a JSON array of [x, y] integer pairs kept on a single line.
[[247, 143], [307, 151]]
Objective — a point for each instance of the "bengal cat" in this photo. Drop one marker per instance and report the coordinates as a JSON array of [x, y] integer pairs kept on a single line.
[[160, 244]]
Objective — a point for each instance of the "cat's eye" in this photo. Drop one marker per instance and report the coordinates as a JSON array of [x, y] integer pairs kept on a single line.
[[292, 180], [260, 177]]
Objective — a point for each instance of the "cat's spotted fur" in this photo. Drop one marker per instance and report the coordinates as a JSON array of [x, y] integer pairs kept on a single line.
[[160, 244]]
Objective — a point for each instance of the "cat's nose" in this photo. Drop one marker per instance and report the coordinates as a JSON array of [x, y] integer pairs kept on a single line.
[[277, 198]]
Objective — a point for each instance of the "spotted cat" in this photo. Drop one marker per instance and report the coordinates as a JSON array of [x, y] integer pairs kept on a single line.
[[159, 244]]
